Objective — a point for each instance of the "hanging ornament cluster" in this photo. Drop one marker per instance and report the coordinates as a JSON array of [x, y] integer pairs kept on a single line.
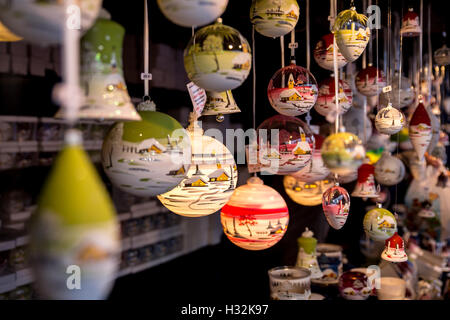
[[370, 81], [274, 18], [256, 216], [342, 153], [420, 130], [410, 24], [210, 181], [192, 13], [401, 95], [292, 90], [336, 206], [394, 250], [389, 170], [217, 58], [352, 33], [326, 101], [323, 53], [306, 193], [365, 187], [285, 144], [379, 224], [389, 120]]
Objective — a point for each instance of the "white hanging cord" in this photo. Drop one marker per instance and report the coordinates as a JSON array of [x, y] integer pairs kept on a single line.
[[336, 75], [421, 47], [292, 46], [308, 54], [282, 61], [146, 51], [430, 59], [254, 81]]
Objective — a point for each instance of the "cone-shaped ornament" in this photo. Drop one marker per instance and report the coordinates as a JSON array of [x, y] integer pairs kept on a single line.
[[420, 130], [365, 187]]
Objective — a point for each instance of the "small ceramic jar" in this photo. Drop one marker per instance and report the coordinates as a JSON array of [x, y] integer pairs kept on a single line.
[[290, 283], [354, 286]]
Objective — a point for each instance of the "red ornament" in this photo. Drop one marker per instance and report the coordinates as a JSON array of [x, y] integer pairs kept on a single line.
[[394, 249], [410, 24], [323, 53], [354, 286], [365, 187], [326, 102], [370, 81], [420, 130]]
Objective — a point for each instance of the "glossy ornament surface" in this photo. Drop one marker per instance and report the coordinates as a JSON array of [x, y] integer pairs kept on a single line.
[[217, 58], [323, 53], [354, 286], [293, 144], [292, 90], [353, 121], [256, 216], [352, 33], [209, 182], [410, 24], [365, 187], [336, 206], [40, 22], [326, 102], [219, 103], [305, 193], [348, 177], [370, 81], [389, 120], [75, 224], [315, 170], [394, 249], [420, 130], [307, 256], [389, 170], [342, 152], [380, 224], [149, 157], [192, 13], [274, 18], [401, 95]]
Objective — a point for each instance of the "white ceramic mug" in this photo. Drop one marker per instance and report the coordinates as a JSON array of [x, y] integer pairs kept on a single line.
[[391, 289]]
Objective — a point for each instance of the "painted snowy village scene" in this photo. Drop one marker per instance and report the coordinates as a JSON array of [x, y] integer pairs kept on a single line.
[[210, 182]]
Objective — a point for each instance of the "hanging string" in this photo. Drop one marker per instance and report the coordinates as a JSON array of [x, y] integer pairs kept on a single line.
[[336, 74], [282, 60], [308, 55], [364, 65], [430, 59], [400, 65], [292, 46], [421, 47], [146, 50], [254, 81]]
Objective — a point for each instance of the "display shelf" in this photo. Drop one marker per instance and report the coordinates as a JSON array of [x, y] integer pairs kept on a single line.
[[153, 263], [12, 280], [148, 238]]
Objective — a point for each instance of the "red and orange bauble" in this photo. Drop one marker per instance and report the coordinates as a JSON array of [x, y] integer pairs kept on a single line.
[[370, 81], [326, 101], [395, 249]]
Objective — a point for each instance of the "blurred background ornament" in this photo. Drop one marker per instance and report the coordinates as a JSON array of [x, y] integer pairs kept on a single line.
[[354, 286], [274, 18], [401, 95], [426, 211], [389, 170], [40, 22], [370, 81], [192, 13], [389, 120], [307, 256], [420, 130], [336, 206], [292, 90], [348, 177], [442, 56], [210, 181], [256, 216], [342, 152], [217, 58], [326, 102], [306, 193], [75, 224], [365, 187], [410, 24], [353, 121], [323, 53], [352, 33], [148, 157], [394, 249], [219, 103], [379, 224]]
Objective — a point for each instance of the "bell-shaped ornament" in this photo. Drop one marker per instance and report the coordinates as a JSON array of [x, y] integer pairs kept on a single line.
[[102, 74], [219, 103], [365, 187], [307, 256], [336, 206], [420, 130], [389, 120], [394, 249], [410, 24], [75, 225]]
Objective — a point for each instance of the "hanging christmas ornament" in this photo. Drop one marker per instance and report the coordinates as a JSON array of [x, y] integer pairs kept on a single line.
[[40, 22], [326, 101], [354, 286], [255, 217], [102, 74], [411, 24], [75, 225], [342, 152], [315, 170], [401, 95], [306, 193], [348, 177], [370, 81], [285, 144], [389, 170], [336, 206], [192, 13], [379, 224], [420, 130], [217, 58], [219, 103], [323, 53], [210, 181], [274, 18], [292, 90], [389, 120], [426, 211], [442, 56], [365, 187], [6, 35], [352, 33], [353, 121], [148, 157], [307, 257], [395, 249]]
